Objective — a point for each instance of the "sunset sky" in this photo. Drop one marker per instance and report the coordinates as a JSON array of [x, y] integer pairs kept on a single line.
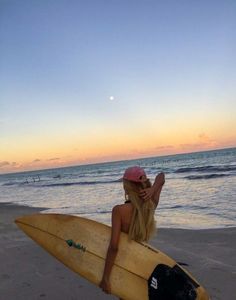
[[103, 80]]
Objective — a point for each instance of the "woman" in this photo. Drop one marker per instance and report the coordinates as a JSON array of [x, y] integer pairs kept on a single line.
[[135, 217]]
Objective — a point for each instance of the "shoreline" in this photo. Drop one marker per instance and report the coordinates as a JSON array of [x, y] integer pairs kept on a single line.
[[31, 273]]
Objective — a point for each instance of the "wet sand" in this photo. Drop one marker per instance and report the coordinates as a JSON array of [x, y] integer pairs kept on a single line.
[[29, 272]]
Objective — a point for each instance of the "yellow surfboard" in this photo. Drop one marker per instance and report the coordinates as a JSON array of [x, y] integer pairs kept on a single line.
[[141, 272]]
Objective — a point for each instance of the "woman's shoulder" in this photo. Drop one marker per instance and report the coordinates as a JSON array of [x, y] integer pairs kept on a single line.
[[121, 208], [118, 207]]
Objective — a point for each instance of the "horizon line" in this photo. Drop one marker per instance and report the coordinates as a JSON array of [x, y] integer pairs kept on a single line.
[[107, 162]]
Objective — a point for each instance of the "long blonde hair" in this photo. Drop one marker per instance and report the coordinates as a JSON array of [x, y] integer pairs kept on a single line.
[[142, 224]]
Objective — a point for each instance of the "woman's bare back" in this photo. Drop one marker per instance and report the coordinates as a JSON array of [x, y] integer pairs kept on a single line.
[[126, 212]]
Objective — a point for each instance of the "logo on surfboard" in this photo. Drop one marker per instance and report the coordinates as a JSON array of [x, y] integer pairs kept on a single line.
[[154, 283]]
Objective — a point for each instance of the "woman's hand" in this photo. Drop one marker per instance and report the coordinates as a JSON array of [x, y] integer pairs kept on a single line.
[[147, 193], [105, 286], [153, 193]]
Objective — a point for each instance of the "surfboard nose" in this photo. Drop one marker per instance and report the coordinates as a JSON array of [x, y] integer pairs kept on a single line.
[[28, 219], [35, 221]]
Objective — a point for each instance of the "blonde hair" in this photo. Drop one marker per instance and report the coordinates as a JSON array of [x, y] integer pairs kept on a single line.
[[142, 224]]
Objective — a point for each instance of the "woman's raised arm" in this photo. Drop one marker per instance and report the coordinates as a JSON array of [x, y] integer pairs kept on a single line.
[[154, 191]]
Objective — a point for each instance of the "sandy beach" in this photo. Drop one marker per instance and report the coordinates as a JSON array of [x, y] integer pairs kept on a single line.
[[28, 272]]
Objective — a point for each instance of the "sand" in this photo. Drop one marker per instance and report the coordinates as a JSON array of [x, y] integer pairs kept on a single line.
[[29, 272]]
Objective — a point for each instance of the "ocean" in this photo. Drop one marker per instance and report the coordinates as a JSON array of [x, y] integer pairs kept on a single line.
[[199, 192]]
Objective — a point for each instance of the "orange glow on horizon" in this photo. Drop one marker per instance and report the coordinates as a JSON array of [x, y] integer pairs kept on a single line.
[[53, 156], [100, 144]]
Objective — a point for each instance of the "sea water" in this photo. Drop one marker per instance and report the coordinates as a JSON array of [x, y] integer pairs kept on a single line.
[[199, 192]]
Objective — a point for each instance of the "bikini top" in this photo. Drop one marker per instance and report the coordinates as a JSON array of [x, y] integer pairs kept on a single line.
[[127, 201]]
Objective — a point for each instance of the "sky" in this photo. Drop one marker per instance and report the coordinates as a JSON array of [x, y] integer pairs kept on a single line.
[[104, 80]]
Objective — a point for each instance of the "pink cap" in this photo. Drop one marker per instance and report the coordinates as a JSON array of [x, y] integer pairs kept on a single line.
[[134, 174]]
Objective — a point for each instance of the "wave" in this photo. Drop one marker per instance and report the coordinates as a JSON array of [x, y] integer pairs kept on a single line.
[[77, 183], [171, 207], [57, 184], [208, 176], [184, 207], [224, 168], [9, 183], [28, 183]]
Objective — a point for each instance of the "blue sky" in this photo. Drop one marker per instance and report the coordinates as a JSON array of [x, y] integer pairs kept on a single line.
[[168, 64]]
